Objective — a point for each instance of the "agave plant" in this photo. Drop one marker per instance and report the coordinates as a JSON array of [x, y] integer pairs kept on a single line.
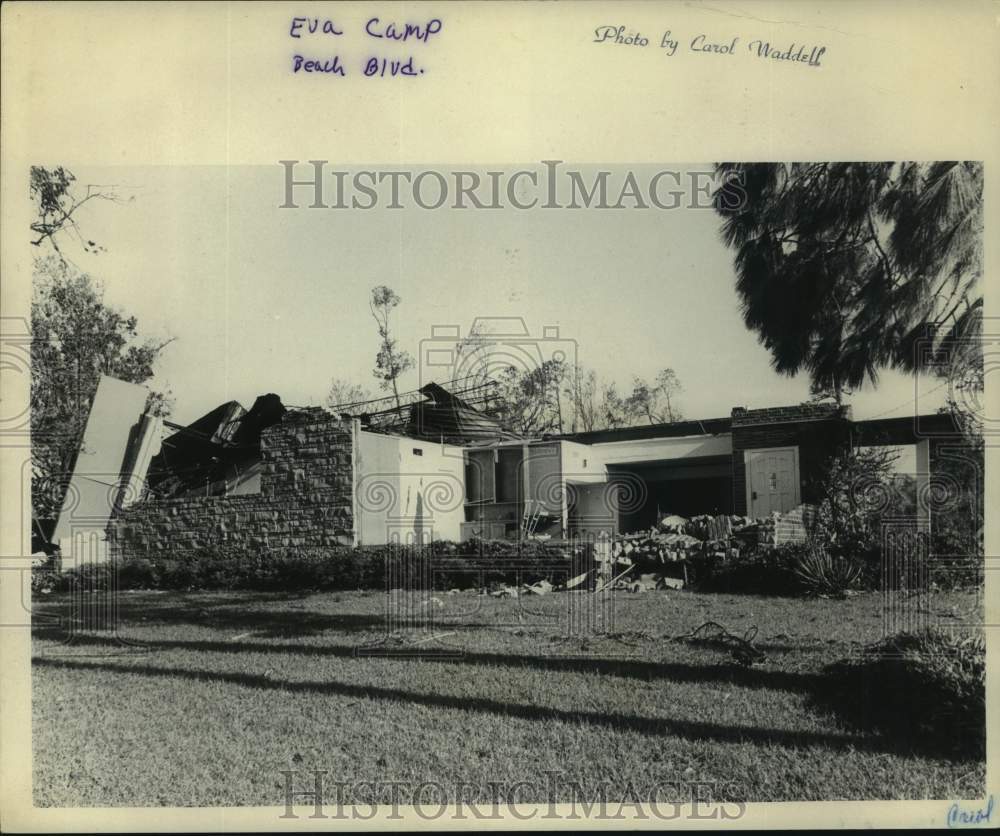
[[820, 573]]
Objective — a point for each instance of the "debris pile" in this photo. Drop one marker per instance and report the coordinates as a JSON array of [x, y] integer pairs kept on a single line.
[[677, 538], [767, 529], [656, 558], [649, 558]]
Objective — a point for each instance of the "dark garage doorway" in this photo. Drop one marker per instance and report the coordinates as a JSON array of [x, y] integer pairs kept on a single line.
[[687, 487]]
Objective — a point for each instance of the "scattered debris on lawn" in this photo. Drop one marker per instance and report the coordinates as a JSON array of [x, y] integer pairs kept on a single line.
[[712, 633], [611, 583], [646, 583], [433, 638], [543, 587]]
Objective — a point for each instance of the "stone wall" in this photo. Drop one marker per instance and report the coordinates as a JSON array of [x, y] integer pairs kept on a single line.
[[306, 499]]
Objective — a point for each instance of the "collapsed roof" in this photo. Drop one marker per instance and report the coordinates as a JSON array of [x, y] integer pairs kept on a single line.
[[217, 454], [446, 417], [433, 413]]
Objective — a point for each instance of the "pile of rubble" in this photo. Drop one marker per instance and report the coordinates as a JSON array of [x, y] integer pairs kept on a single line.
[[677, 538], [656, 558], [767, 530]]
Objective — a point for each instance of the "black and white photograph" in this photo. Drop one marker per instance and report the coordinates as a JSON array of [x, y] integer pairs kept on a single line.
[[375, 493]]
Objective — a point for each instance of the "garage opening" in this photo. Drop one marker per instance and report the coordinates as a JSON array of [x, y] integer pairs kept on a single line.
[[688, 487]]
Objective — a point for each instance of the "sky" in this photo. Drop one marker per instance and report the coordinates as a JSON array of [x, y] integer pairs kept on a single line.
[[262, 299]]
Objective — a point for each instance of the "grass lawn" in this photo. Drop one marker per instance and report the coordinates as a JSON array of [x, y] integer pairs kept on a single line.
[[209, 696]]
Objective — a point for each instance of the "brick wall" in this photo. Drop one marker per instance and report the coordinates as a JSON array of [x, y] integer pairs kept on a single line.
[[306, 499], [796, 525], [816, 429], [743, 417]]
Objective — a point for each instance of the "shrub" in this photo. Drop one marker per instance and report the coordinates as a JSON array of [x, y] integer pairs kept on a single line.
[[790, 569], [818, 572], [927, 689], [761, 571], [856, 490], [138, 574], [464, 565], [45, 580]]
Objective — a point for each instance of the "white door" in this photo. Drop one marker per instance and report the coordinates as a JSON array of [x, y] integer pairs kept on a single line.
[[772, 480]]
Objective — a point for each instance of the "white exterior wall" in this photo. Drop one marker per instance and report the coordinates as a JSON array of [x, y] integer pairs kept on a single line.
[[97, 478], [663, 449], [402, 494], [582, 463], [594, 510]]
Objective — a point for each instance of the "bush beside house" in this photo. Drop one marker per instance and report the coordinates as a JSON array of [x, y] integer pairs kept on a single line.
[[927, 689], [440, 565]]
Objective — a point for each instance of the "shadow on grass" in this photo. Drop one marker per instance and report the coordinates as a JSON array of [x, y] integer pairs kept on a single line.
[[289, 619], [823, 690], [220, 612], [687, 729], [623, 667], [815, 686], [934, 701]]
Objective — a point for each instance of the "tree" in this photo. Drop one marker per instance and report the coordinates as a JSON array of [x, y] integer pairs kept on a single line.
[[56, 204], [527, 401], [555, 395], [530, 401], [847, 268], [344, 393], [390, 362], [657, 403], [614, 410], [581, 391], [76, 337]]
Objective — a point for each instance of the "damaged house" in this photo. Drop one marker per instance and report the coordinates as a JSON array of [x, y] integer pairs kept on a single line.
[[438, 468]]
